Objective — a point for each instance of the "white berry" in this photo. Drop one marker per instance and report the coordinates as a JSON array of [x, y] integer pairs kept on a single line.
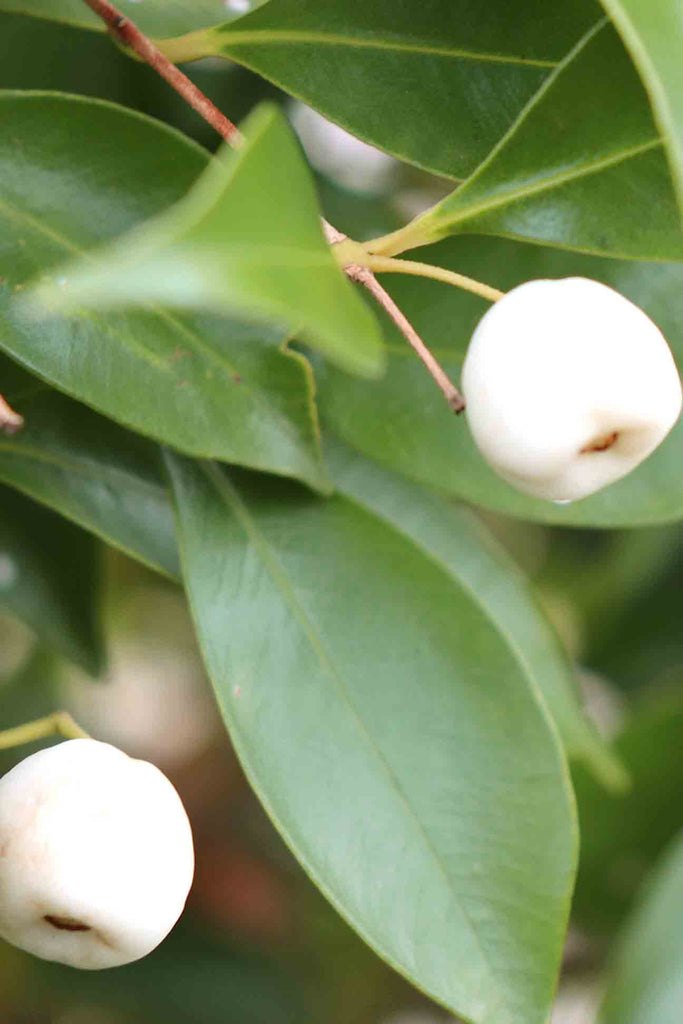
[[569, 386], [96, 855]]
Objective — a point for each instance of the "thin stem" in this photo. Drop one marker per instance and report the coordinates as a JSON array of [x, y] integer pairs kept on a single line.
[[385, 264], [129, 36], [60, 723], [364, 276], [10, 421]]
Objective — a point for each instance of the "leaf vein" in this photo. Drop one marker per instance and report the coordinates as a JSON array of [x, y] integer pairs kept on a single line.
[[228, 493], [268, 37]]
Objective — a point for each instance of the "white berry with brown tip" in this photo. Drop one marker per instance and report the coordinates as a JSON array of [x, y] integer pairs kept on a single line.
[[96, 855], [569, 386]]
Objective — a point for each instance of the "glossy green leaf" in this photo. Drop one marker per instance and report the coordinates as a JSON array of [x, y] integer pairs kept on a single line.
[[622, 836], [647, 972], [582, 168], [89, 469], [652, 31], [155, 17], [390, 731], [75, 173], [403, 421], [453, 536], [246, 240], [49, 578], [435, 83]]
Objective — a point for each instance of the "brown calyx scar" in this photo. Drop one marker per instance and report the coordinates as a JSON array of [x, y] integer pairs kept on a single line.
[[601, 444], [66, 924]]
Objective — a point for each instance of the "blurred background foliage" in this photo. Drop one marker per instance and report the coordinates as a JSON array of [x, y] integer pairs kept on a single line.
[[258, 944]]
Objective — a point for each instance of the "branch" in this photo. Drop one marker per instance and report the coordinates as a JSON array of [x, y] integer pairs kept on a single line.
[[130, 37], [455, 399], [385, 264], [10, 421]]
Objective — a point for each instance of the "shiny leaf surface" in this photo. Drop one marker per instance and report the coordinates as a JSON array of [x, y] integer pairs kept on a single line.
[[452, 536], [76, 173], [435, 83], [403, 422], [652, 31], [155, 17], [89, 469], [365, 690], [582, 168]]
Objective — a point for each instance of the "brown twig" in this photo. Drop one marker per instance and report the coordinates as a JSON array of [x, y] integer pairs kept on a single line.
[[10, 421], [130, 37], [455, 399], [364, 276]]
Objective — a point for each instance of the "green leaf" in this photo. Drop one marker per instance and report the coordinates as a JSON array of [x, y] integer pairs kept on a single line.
[[452, 536], [652, 31], [582, 168], [403, 422], [647, 982], [622, 836], [435, 83], [89, 469], [154, 17], [391, 733], [246, 240], [76, 173], [49, 578]]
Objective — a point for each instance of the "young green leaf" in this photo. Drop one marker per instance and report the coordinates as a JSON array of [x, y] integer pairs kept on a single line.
[[76, 173], [391, 732], [451, 535], [102, 477], [403, 422], [582, 168], [652, 31], [647, 971], [434, 83], [246, 240], [49, 578]]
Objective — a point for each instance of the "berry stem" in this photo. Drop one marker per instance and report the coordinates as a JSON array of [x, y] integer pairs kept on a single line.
[[385, 264], [60, 723], [350, 253], [364, 276]]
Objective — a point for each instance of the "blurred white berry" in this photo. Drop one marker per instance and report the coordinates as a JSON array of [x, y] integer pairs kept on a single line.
[[569, 386], [341, 156], [96, 855]]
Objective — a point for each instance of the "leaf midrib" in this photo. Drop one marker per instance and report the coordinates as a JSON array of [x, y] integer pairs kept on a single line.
[[547, 184], [270, 37], [228, 493]]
